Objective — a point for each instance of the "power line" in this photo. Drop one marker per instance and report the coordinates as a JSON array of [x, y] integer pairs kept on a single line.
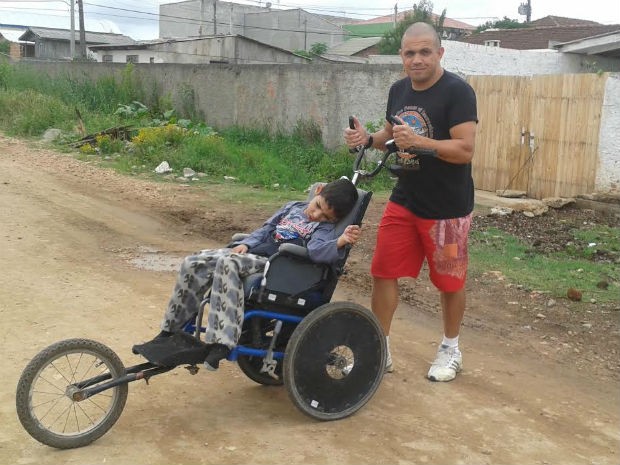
[[193, 21]]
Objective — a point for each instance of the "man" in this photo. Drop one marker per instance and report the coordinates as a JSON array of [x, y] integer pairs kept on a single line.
[[429, 211]]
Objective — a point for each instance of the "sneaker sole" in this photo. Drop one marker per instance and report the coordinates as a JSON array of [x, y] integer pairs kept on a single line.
[[437, 380]]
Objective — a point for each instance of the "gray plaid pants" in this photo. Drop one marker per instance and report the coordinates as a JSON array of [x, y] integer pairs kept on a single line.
[[223, 271]]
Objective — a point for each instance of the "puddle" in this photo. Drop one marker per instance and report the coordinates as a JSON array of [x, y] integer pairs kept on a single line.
[[152, 260]]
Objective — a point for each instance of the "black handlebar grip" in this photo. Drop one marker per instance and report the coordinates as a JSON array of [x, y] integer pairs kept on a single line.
[[393, 120], [352, 126]]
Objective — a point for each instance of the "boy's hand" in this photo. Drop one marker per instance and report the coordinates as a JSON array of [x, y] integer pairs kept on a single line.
[[350, 235], [240, 249]]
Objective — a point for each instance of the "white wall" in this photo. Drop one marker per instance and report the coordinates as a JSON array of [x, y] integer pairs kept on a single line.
[[472, 59], [608, 171], [120, 56]]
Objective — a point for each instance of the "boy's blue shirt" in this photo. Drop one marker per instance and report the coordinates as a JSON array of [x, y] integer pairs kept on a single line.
[[290, 224]]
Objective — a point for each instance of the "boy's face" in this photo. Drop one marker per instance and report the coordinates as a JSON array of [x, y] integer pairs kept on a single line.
[[318, 210]]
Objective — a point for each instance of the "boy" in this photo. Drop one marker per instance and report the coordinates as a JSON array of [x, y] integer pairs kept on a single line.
[[304, 223]]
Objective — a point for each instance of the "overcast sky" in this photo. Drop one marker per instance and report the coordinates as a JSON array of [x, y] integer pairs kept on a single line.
[[138, 18]]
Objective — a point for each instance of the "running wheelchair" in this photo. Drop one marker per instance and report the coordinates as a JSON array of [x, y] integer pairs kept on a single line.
[[329, 355]]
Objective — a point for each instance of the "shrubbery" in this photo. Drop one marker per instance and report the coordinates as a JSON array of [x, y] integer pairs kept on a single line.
[[33, 102]]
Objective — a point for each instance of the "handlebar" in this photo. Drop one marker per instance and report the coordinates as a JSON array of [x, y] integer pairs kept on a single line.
[[358, 173], [391, 148]]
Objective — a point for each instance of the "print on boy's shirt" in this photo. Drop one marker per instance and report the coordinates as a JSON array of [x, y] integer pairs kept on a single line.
[[294, 227]]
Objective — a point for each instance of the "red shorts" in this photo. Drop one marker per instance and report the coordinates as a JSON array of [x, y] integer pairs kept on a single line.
[[404, 240]]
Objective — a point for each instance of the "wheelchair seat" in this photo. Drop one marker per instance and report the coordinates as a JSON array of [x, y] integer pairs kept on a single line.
[[291, 280]]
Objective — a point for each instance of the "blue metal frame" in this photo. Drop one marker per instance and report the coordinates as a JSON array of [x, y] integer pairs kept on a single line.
[[243, 350]]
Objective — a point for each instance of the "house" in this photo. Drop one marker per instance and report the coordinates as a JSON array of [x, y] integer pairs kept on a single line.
[[10, 33], [231, 49], [603, 45], [356, 47], [48, 43], [452, 29], [294, 29], [541, 34], [290, 29]]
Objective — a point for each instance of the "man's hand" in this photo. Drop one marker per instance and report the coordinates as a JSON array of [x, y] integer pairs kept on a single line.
[[356, 137], [404, 135], [240, 249], [350, 235]]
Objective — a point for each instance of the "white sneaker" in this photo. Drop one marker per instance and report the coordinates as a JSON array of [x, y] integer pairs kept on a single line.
[[389, 368], [448, 362]]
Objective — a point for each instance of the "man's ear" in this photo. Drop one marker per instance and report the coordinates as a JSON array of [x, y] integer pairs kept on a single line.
[[319, 188]]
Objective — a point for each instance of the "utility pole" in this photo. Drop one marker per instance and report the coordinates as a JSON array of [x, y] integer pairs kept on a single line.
[[528, 18], [306, 34], [82, 31], [214, 17], [72, 41], [395, 14], [203, 15], [526, 9]]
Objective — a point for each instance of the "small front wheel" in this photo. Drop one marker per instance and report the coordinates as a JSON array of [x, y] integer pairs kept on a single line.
[[45, 406]]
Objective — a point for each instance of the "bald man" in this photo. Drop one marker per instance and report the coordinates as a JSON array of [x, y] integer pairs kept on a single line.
[[429, 211]]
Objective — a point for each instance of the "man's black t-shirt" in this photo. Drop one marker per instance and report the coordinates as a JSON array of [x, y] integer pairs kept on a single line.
[[438, 190]]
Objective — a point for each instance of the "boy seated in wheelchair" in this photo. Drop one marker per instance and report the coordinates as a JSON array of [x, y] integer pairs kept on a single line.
[[310, 223]]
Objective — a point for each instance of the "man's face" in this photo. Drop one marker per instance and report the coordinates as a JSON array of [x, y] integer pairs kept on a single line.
[[421, 59]]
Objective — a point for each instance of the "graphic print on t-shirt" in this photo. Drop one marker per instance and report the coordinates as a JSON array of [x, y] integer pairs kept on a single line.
[[417, 118], [293, 226]]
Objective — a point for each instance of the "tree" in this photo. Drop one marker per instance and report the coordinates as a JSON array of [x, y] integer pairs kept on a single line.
[[5, 47], [505, 23], [318, 48], [422, 12]]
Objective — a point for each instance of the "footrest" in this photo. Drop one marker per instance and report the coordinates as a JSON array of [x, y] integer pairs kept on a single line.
[[179, 349]]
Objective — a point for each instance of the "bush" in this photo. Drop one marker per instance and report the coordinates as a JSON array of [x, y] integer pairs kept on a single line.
[[30, 113]]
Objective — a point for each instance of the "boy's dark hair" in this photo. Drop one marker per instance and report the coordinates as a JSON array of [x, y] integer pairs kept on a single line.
[[340, 195]]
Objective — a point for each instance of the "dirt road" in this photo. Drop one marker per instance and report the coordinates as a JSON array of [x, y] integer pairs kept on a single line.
[[71, 237]]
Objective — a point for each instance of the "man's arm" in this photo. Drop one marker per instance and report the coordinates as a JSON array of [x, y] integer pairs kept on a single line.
[[459, 149]]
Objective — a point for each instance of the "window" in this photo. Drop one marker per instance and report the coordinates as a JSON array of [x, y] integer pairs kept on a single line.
[[492, 43], [131, 59], [107, 59]]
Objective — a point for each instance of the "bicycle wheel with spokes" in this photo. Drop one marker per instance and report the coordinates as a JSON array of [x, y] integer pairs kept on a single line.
[[45, 406]]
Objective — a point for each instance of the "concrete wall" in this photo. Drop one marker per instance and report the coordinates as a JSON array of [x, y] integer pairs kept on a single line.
[[197, 17], [608, 171], [220, 49], [292, 29], [278, 96], [472, 59]]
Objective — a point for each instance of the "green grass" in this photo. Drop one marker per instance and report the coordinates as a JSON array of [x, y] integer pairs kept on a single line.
[[554, 274]]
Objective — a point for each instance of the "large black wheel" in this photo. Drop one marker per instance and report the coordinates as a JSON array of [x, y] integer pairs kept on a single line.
[[335, 360], [44, 403]]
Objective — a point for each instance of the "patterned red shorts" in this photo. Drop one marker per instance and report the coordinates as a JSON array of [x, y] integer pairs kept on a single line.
[[404, 240]]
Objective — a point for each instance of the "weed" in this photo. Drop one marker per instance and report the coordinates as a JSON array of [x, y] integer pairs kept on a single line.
[[492, 249]]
